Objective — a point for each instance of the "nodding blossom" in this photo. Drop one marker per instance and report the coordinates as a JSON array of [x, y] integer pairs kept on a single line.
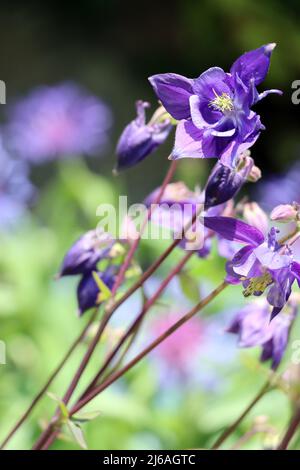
[[88, 292], [58, 121], [225, 181], [86, 252], [253, 327], [139, 139], [214, 110]]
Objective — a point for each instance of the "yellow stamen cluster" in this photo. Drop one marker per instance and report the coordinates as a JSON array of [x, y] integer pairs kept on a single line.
[[222, 102], [258, 284]]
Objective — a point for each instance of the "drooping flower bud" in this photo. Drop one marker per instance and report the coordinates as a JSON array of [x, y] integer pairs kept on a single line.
[[85, 253], [253, 327], [254, 215], [225, 182], [286, 213], [88, 290], [139, 139]]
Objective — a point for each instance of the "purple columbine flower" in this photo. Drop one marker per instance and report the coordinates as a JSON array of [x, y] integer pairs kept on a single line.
[[88, 290], [58, 121], [139, 139], [86, 252], [16, 191], [262, 263], [253, 327], [214, 110]]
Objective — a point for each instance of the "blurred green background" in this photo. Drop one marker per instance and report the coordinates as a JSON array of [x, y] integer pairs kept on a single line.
[[110, 48]]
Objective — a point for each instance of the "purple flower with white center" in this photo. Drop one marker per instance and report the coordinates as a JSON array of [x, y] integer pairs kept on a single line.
[[262, 263], [214, 110], [88, 290], [225, 182], [86, 252], [58, 121], [253, 327], [139, 139], [16, 191]]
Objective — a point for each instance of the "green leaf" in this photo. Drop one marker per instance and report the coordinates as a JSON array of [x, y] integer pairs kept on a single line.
[[105, 292], [189, 286], [61, 404], [85, 416], [77, 434]]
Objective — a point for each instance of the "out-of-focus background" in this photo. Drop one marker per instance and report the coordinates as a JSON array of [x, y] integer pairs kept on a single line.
[[108, 49]]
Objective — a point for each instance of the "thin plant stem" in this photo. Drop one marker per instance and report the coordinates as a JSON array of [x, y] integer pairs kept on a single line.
[[116, 304], [266, 388], [133, 248], [109, 312], [46, 436], [139, 318], [199, 306], [291, 430]]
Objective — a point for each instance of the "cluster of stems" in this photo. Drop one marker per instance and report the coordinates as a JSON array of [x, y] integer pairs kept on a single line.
[[112, 367]]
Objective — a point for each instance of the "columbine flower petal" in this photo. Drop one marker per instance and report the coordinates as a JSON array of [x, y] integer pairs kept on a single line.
[[254, 64], [173, 91], [234, 229]]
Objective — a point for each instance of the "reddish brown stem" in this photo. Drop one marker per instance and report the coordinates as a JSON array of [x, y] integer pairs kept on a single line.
[[291, 430], [138, 319]]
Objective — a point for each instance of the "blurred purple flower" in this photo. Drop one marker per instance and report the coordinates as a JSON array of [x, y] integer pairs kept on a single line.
[[253, 327], [15, 189], [262, 263], [214, 110], [176, 209], [58, 121], [139, 139], [282, 189]]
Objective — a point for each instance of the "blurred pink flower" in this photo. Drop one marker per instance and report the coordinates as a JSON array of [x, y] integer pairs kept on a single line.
[[178, 351]]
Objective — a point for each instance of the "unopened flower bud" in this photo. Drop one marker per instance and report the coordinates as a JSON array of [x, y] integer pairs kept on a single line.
[[254, 175], [139, 139], [285, 213]]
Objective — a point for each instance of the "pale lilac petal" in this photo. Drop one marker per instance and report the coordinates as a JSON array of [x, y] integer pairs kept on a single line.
[[273, 260], [196, 114], [268, 92], [187, 141], [246, 264]]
